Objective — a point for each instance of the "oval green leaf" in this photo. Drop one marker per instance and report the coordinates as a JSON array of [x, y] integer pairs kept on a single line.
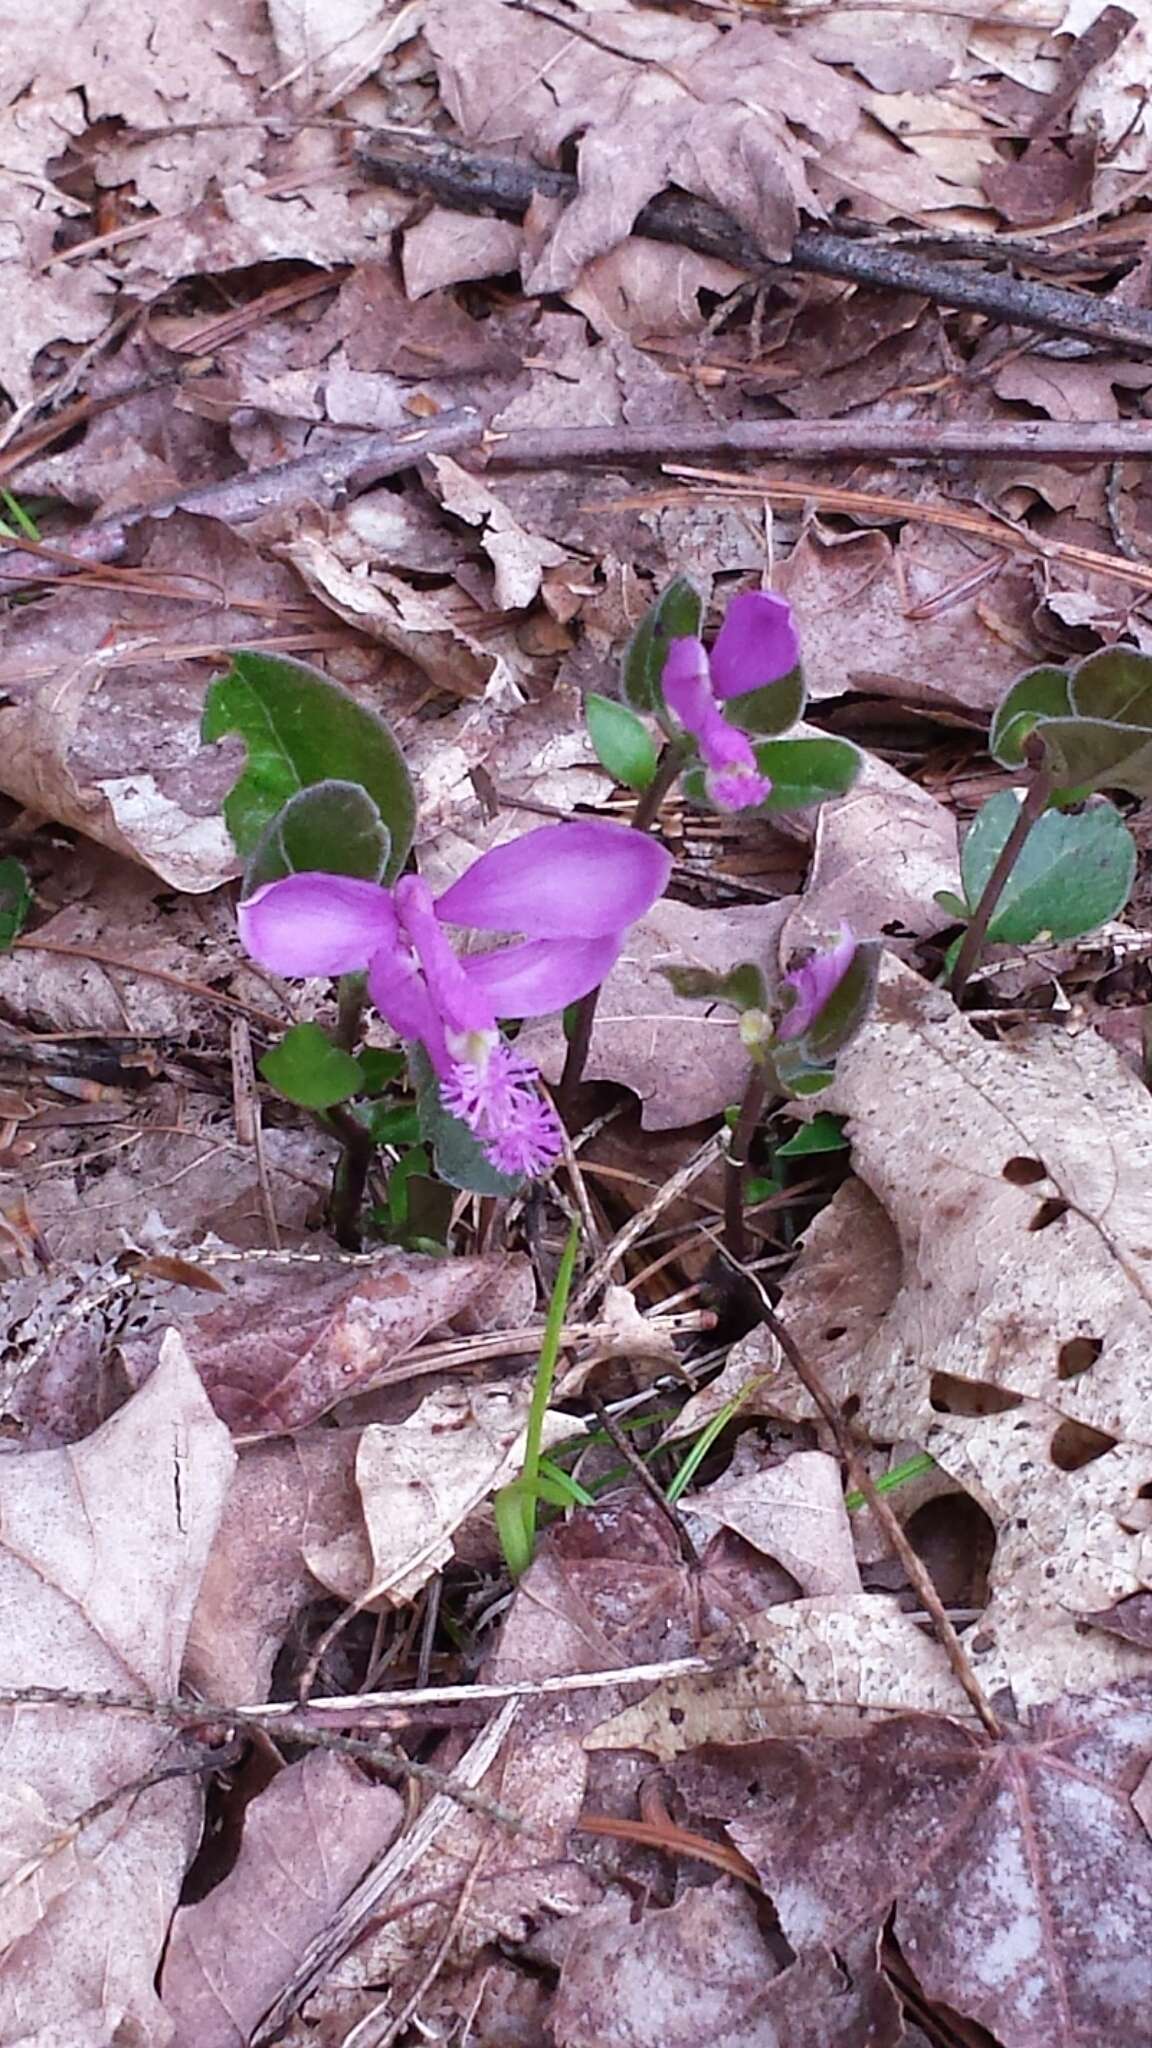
[[301, 728], [622, 742], [773, 708], [1083, 754], [676, 615], [1073, 872], [333, 827], [306, 1068], [1115, 684], [15, 901], [1041, 693]]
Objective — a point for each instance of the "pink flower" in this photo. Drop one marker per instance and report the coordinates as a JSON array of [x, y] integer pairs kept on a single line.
[[571, 890], [757, 644], [811, 984]]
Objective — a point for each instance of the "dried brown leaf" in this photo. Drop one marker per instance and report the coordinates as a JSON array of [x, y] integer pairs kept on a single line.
[[307, 1841], [104, 1545]]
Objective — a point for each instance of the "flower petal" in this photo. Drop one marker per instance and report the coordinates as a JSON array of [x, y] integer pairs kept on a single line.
[[542, 975], [813, 982], [397, 989], [686, 684], [578, 881], [316, 924], [456, 1001], [757, 644]]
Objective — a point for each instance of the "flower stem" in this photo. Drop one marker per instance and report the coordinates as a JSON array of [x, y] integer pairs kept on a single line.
[[673, 756], [351, 1176], [736, 1164], [352, 1000], [1036, 796]]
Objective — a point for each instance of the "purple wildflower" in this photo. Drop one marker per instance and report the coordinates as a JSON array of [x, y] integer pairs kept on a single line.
[[811, 984], [757, 644], [571, 891]]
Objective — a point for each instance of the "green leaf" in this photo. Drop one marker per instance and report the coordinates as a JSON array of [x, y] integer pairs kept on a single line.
[[306, 1067], [622, 743], [742, 987], [331, 826], [953, 905], [1072, 874], [825, 1133], [773, 708], [1041, 693], [758, 1188], [1088, 754], [1115, 684], [391, 1123], [802, 773], [378, 1069], [300, 728], [459, 1158], [15, 901], [676, 615]]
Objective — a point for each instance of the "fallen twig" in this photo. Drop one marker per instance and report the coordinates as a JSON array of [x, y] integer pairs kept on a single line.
[[505, 185]]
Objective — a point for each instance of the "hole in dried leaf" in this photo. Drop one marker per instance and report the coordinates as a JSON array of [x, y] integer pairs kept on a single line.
[[1023, 1172], [1077, 1355], [1049, 1212], [952, 1396], [956, 1541], [1075, 1444], [835, 1330], [850, 1407]]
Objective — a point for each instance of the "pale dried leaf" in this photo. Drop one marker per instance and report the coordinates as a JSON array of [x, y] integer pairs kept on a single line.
[[104, 1545], [793, 1512]]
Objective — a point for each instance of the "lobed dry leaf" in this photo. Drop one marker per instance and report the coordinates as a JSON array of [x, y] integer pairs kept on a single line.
[[102, 1549]]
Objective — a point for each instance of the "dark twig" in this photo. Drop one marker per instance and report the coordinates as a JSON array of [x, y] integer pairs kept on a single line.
[[644, 817], [862, 1480], [506, 186], [736, 1164], [351, 1177], [635, 1463], [1038, 792]]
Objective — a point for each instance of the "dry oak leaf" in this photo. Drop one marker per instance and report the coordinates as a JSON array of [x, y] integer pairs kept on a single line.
[[307, 1841], [721, 114], [824, 1666], [102, 1548], [1016, 1347], [1021, 1872]]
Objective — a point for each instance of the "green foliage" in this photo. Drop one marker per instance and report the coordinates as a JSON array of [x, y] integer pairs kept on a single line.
[[1073, 873], [802, 772], [333, 827], [515, 1505], [300, 729], [773, 708], [457, 1154], [15, 901], [622, 742], [743, 987], [676, 615], [1094, 721], [825, 1133], [306, 1068]]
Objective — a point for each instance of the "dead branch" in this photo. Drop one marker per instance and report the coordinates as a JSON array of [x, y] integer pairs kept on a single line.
[[506, 186]]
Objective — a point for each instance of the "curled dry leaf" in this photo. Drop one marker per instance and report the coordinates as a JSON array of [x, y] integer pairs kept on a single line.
[[307, 1841], [1016, 1866], [104, 1545], [288, 1345], [793, 1512]]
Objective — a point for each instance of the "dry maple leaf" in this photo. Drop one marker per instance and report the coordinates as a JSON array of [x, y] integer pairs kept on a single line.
[[1021, 1873], [102, 1547]]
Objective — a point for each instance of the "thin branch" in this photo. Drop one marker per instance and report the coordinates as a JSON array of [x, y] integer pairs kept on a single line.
[[504, 185], [646, 1478]]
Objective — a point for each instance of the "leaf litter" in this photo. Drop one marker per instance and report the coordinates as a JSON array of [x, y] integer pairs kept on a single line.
[[244, 1469]]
